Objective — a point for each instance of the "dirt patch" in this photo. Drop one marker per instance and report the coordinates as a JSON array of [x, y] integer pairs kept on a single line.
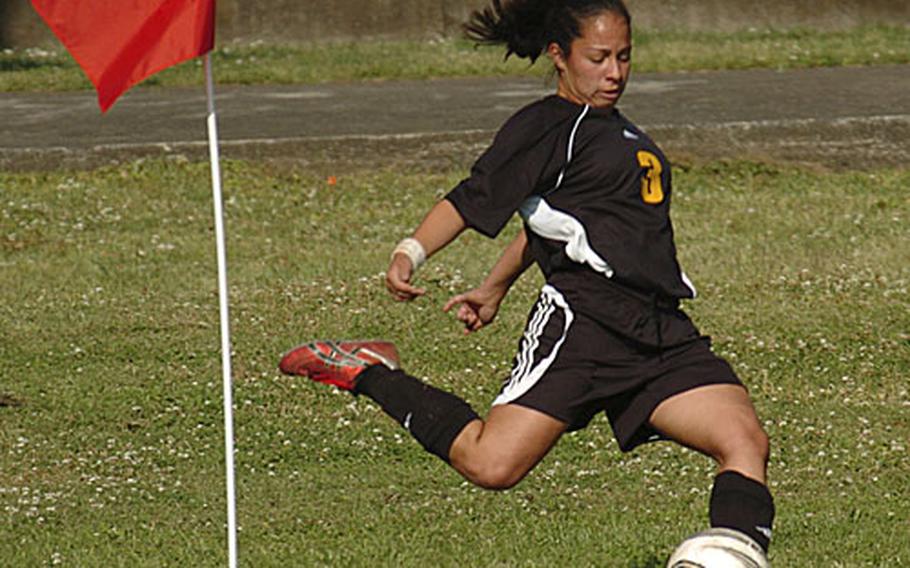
[[7, 400], [847, 144]]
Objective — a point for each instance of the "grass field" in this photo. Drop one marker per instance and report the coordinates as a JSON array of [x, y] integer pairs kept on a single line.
[[110, 414], [42, 69]]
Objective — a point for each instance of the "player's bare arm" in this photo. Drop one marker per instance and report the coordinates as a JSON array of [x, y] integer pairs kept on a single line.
[[440, 227], [479, 306]]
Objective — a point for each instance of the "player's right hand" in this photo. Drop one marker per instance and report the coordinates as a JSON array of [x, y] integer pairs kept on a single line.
[[398, 279]]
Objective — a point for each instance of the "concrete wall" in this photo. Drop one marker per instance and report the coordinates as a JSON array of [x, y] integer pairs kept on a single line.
[[319, 20], [309, 20], [729, 15]]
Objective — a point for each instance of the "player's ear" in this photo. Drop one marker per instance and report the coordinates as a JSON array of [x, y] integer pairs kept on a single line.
[[556, 55]]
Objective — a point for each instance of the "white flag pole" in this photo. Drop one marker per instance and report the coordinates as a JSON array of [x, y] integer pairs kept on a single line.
[[225, 322]]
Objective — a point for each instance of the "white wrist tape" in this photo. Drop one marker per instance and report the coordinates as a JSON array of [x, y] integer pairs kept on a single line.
[[411, 248]]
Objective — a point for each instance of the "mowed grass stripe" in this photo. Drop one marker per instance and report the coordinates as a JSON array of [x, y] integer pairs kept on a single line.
[[49, 68]]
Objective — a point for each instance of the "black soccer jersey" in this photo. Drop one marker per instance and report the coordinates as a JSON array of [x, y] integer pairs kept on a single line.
[[594, 193]]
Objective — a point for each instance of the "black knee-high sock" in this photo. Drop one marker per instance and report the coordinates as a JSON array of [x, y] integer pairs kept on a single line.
[[433, 417], [743, 504]]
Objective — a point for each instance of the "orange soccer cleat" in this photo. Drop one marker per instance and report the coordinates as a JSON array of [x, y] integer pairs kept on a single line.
[[338, 362]]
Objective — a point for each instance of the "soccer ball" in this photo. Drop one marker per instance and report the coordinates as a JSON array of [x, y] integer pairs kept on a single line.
[[718, 548]]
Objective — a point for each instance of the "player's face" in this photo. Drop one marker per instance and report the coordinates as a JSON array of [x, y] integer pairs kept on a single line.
[[598, 66]]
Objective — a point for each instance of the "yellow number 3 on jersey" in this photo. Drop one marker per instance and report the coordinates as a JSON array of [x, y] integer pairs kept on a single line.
[[652, 189]]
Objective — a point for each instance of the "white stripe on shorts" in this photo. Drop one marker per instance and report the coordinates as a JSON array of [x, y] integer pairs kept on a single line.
[[524, 376], [532, 336]]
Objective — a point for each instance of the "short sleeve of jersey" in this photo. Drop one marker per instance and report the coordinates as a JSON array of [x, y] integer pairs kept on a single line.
[[525, 158]]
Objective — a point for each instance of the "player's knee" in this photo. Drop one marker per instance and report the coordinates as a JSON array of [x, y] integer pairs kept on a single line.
[[499, 478], [491, 474], [758, 444], [744, 439]]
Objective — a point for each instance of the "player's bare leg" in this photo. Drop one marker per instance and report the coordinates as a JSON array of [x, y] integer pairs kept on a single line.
[[499, 452], [720, 421]]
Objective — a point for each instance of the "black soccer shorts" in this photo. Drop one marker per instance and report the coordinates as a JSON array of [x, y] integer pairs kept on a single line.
[[571, 367]]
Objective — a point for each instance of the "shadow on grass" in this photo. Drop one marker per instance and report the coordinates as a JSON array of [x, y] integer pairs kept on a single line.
[[653, 561]]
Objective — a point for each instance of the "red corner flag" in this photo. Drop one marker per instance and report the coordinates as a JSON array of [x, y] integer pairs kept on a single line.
[[119, 43]]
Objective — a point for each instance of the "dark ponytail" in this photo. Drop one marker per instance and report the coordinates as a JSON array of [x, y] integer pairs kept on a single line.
[[520, 25], [527, 27]]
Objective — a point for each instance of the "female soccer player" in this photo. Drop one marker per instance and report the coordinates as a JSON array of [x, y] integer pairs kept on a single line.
[[606, 333]]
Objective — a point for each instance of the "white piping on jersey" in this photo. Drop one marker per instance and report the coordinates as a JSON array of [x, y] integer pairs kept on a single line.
[[688, 283], [524, 378], [550, 223], [571, 145], [560, 226]]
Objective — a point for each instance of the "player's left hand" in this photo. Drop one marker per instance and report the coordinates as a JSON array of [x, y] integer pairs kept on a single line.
[[478, 308]]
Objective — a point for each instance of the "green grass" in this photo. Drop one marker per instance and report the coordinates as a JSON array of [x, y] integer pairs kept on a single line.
[[262, 63], [110, 413]]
